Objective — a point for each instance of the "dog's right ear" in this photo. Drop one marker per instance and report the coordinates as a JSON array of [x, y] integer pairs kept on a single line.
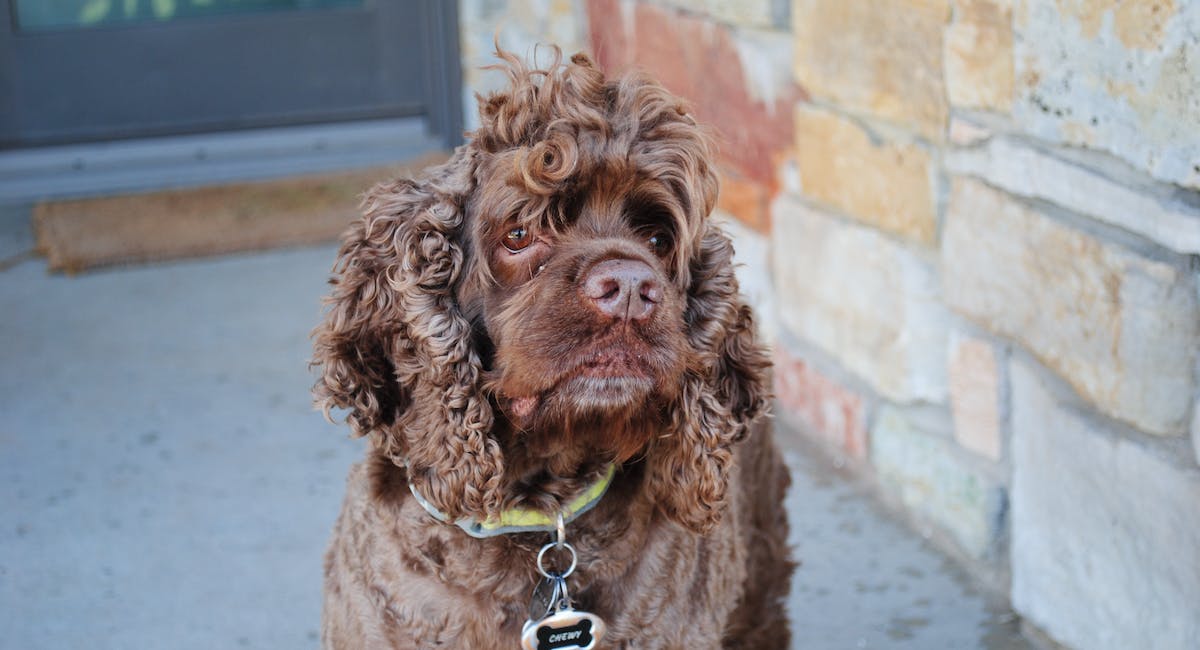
[[395, 350]]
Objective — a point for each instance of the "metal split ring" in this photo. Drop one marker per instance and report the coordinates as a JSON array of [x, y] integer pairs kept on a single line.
[[542, 554]]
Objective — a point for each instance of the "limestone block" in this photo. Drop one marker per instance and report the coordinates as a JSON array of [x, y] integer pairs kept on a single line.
[[1121, 328], [868, 300], [886, 183], [834, 413], [878, 57], [1021, 169], [963, 133], [922, 469], [1122, 77], [974, 379], [979, 55], [765, 59], [745, 13], [1105, 535]]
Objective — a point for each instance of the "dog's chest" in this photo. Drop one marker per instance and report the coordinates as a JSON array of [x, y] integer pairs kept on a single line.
[[661, 594], [428, 584]]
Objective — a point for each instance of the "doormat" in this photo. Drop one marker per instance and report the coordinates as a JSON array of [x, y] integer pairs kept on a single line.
[[83, 234]]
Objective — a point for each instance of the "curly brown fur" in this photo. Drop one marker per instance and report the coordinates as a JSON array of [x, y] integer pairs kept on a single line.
[[551, 300]]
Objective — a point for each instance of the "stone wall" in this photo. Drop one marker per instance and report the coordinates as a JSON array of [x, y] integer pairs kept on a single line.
[[974, 236]]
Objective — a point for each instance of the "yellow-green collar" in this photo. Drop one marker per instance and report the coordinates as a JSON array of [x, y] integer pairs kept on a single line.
[[524, 520]]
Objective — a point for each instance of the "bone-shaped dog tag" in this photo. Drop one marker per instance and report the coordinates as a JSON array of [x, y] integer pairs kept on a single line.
[[566, 628]]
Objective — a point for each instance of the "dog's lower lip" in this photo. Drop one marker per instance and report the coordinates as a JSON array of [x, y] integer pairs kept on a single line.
[[609, 389]]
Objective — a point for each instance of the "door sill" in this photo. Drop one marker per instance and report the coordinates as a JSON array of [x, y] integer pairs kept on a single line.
[[130, 166]]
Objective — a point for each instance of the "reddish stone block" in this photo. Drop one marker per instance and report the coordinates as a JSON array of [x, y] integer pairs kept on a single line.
[[831, 412], [746, 200], [697, 58], [974, 375]]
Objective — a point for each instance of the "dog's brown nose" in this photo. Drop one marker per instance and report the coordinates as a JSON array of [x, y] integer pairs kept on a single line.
[[623, 289]]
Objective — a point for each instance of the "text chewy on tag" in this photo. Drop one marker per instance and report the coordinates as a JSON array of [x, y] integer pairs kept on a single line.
[[566, 629]]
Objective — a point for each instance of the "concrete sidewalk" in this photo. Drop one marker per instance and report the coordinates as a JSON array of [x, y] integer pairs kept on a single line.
[[166, 483]]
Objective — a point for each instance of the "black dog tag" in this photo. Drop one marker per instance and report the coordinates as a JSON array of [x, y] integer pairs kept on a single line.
[[567, 628]]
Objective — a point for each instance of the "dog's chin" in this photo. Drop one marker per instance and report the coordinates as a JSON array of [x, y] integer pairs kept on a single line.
[[608, 383], [586, 396], [592, 394]]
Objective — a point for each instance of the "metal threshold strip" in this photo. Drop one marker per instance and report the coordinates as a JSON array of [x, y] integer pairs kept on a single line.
[[129, 166]]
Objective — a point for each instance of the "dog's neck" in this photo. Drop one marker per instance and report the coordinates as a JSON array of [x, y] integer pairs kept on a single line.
[[544, 470], [548, 464]]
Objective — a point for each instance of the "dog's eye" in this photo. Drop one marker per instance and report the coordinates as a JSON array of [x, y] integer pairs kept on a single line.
[[659, 243], [518, 239]]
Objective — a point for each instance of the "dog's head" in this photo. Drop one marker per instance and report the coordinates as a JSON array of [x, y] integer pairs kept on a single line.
[[554, 294]]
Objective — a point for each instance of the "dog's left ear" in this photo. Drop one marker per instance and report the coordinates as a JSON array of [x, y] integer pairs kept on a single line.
[[724, 392]]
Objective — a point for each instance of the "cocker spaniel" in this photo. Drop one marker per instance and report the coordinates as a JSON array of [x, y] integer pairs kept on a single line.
[[544, 336]]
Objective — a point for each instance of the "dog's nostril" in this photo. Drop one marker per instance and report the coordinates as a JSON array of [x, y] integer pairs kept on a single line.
[[611, 289], [601, 287], [650, 291]]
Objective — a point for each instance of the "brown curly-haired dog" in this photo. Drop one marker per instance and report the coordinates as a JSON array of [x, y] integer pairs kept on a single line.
[[550, 303]]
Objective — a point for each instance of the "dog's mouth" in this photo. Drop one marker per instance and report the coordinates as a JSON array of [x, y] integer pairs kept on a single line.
[[607, 379], [608, 375], [614, 364]]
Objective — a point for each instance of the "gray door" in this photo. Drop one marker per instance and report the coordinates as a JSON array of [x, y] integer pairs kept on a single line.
[[82, 70]]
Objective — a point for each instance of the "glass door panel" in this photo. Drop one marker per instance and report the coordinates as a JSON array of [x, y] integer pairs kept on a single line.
[[67, 14], [85, 70]]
